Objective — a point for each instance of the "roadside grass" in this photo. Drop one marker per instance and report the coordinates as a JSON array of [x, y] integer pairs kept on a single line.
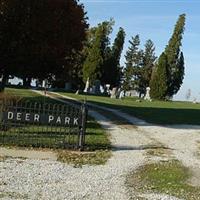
[[97, 148], [158, 149], [96, 137], [97, 143], [78, 159], [158, 112], [163, 177], [2, 158]]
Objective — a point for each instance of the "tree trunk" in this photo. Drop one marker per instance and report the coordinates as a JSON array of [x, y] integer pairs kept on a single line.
[[24, 81], [140, 95], [27, 82], [3, 82]]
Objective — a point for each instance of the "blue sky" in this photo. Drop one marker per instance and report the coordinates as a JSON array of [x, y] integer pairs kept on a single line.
[[155, 20]]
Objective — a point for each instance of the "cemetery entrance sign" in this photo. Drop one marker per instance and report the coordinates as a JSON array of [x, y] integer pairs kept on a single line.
[[45, 119], [42, 125]]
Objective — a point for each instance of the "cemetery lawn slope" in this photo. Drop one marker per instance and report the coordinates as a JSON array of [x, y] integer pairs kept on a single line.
[[158, 112]]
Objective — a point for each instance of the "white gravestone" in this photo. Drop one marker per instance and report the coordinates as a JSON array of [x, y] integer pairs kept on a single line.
[[121, 94], [113, 93], [107, 90], [87, 86], [147, 96]]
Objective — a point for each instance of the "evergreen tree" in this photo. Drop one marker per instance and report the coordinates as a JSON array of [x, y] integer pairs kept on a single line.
[[148, 63], [175, 58], [158, 83], [139, 65], [133, 62], [93, 63], [128, 78], [112, 71], [179, 73], [97, 51]]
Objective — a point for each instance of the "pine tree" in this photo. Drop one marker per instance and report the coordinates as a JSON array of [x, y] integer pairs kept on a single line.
[[148, 63], [139, 65], [158, 83], [175, 58]]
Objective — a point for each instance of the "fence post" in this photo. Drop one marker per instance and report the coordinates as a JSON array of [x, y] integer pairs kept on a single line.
[[1, 113], [83, 126]]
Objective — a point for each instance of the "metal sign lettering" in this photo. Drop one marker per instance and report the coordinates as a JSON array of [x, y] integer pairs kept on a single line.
[[44, 119]]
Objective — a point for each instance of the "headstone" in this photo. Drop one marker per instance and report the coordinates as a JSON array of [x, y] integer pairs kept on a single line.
[[44, 83], [121, 94], [118, 93], [1, 78], [147, 96], [113, 94], [107, 90], [102, 90], [37, 83], [77, 92], [127, 93], [87, 86], [67, 86], [92, 90], [97, 85], [131, 93]]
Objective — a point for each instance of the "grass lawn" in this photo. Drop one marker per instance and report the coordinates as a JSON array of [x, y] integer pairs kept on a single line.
[[158, 112], [164, 177], [97, 141]]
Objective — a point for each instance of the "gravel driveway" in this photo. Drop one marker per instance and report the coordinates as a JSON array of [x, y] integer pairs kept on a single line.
[[43, 179], [46, 179]]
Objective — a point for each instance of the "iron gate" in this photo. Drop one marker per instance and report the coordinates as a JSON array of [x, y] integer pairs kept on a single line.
[[42, 124]]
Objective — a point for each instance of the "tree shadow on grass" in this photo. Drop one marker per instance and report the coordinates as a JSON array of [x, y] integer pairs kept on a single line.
[[160, 116]]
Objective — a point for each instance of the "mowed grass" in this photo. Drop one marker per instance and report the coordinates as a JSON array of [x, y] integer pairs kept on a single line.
[[28, 95], [23, 93], [163, 177], [97, 142], [158, 112]]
